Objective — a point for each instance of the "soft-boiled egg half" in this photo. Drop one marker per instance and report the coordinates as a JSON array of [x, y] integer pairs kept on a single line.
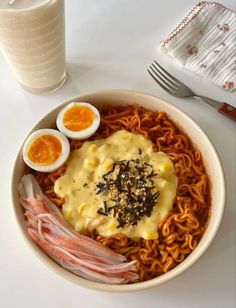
[[46, 150], [78, 120]]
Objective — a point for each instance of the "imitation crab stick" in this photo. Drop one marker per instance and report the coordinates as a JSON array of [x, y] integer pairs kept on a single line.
[[75, 252]]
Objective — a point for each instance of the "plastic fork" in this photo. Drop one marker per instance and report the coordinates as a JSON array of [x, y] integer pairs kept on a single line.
[[177, 88]]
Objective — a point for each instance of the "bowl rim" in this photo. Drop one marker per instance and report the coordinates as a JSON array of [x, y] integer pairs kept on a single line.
[[180, 268]]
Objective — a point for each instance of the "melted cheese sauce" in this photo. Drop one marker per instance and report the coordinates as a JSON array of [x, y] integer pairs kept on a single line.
[[85, 169]]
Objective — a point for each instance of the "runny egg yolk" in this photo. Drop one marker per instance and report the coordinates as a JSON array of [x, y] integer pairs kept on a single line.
[[45, 150], [78, 118]]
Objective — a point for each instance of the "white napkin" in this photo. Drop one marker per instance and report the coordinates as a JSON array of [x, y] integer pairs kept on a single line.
[[205, 42]]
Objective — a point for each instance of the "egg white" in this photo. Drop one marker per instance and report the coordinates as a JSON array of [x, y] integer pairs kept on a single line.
[[83, 134], [61, 159]]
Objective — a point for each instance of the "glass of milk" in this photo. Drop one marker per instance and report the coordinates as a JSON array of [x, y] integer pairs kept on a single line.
[[32, 39]]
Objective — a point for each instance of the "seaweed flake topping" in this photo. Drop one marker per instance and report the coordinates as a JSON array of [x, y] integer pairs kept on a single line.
[[129, 191]]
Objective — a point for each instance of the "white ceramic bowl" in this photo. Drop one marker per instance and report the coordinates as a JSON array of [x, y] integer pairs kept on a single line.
[[201, 141]]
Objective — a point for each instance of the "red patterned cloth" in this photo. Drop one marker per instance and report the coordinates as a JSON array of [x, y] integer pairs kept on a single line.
[[205, 42]]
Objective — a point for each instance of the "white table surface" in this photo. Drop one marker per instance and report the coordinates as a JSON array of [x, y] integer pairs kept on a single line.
[[110, 43]]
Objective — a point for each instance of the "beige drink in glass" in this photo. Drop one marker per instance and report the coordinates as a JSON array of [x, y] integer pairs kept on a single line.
[[32, 39]]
